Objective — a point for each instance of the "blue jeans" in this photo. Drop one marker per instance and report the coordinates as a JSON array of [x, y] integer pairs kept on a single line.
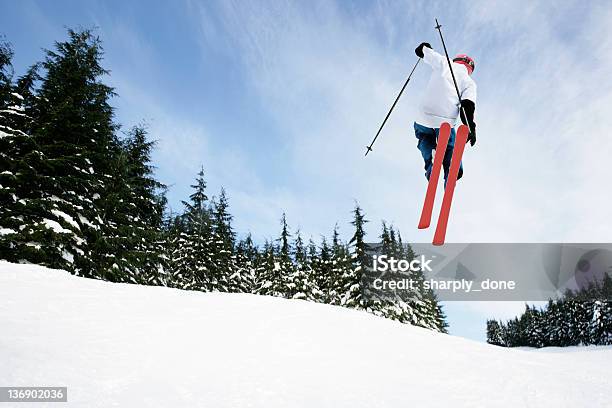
[[427, 138]]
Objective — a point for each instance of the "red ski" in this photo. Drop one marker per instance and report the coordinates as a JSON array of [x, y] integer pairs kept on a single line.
[[461, 140], [443, 136]]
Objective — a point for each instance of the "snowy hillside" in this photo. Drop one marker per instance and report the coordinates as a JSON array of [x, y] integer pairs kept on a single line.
[[133, 346]]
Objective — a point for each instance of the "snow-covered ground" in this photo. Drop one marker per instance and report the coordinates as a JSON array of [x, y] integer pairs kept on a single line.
[[136, 346]]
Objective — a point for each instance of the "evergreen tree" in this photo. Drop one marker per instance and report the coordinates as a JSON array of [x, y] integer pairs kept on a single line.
[[299, 250], [387, 303], [494, 333], [147, 213], [194, 257], [173, 232], [323, 259], [222, 223], [246, 256], [224, 241], [352, 280], [269, 278], [133, 209], [336, 269], [301, 282], [284, 266], [247, 249], [65, 171], [318, 265], [284, 239]]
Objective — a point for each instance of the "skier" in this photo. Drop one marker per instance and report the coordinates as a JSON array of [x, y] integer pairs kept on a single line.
[[440, 104]]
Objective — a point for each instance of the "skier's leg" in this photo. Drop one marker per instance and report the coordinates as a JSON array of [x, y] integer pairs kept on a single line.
[[426, 144], [448, 155]]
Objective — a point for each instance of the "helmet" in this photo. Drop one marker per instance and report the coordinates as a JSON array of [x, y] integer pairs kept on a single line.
[[467, 61]]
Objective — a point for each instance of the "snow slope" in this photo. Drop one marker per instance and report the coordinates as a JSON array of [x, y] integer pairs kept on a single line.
[[136, 346]]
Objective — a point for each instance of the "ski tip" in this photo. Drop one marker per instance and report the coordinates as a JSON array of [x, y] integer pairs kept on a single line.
[[423, 225], [438, 242]]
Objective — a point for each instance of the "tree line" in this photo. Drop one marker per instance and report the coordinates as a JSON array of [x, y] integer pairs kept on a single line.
[[78, 193], [581, 317]]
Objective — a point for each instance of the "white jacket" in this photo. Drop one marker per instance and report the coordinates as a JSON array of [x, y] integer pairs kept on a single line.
[[440, 102]]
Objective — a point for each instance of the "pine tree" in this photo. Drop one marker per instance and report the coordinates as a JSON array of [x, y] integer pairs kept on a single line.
[[387, 244], [299, 250], [64, 173], [386, 303], [494, 333], [247, 249], [173, 228], [194, 257], [284, 239], [336, 269], [318, 272], [224, 241], [284, 268], [322, 258], [222, 224], [352, 281], [149, 196], [243, 280], [269, 279], [133, 209], [301, 281]]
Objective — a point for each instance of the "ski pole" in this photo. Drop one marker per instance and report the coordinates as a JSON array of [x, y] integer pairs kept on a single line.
[[369, 148], [438, 27]]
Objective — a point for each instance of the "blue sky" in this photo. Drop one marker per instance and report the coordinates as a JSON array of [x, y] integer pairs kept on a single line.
[[278, 99]]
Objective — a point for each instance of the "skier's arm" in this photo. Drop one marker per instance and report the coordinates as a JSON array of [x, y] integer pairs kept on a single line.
[[468, 106], [430, 56], [467, 117], [467, 112]]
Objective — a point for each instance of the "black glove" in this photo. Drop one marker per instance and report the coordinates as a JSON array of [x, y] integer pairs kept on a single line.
[[419, 50], [467, 117], [472, 136]]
